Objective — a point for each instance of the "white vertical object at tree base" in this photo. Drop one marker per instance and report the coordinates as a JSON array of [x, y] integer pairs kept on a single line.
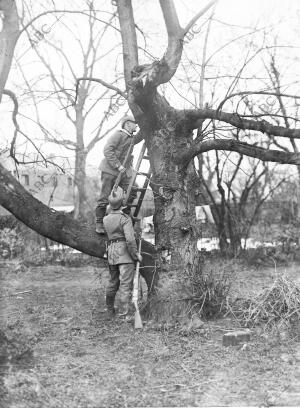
[[203, 213], [138, 324]]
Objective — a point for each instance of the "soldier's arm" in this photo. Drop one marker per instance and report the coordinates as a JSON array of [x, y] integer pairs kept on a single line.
[[138, 137], [110, 150], [129, 236]]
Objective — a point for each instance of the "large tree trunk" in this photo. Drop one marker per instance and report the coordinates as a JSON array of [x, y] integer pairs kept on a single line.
[[80, 211], [235, 234], [223, 242], [81, 207], [174, 187], [219, 214]]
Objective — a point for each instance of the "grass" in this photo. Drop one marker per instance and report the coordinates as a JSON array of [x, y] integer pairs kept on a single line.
[[64, 355]]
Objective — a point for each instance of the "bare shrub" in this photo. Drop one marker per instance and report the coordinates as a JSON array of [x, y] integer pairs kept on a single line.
[[276, 308], [210, 290], [11, 244]]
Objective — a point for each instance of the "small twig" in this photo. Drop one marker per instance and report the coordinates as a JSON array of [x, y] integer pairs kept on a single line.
[[20, 293]]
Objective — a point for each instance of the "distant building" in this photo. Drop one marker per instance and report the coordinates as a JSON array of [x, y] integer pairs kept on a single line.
[[51, 187]]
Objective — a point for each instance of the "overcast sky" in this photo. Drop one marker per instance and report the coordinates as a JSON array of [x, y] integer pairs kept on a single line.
[[232, 18]]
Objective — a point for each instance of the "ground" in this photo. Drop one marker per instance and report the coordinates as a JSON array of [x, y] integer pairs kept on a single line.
[[63, 352]]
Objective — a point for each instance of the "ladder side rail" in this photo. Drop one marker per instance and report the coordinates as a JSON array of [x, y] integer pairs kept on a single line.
[[142, 194], [135, 172]]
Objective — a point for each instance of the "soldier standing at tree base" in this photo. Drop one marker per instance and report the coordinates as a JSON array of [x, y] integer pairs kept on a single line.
[[122, 254]]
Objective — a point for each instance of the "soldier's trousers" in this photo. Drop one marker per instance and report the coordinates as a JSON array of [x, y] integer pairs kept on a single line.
[[121, 278], [107, 183]]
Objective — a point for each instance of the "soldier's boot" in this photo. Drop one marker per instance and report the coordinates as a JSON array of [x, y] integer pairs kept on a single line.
[[110, 306], [127, 208], [130, 313], [124, 309], [100, 214], [127, 312]]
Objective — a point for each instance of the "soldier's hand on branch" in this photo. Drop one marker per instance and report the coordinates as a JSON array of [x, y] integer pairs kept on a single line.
[[121, 169], [139, 257]]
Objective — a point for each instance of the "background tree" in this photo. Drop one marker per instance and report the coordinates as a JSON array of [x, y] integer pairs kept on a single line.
[[86, 109], [241, 192]]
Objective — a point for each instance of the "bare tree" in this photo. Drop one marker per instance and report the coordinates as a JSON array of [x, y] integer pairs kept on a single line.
[[280, 109], [79, 106], [172, 147], [241, 192]]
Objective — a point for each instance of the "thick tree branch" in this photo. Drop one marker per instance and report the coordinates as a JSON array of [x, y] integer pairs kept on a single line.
[[162, 71], [168, 65], [239, 147], [58, 226], [170, 18], [241, 123], [158, 72], [171, 59], [198, 15], [129, 40], [46, 221], [8, 38]]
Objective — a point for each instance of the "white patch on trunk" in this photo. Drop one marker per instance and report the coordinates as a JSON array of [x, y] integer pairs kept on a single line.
[[166, 256]]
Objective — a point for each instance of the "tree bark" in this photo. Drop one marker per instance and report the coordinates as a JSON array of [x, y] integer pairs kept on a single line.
[[8, 38], [81, 208], [129, 40], [174, 187]]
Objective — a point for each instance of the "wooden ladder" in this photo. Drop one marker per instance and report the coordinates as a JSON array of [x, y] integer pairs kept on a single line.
[[141, 190]]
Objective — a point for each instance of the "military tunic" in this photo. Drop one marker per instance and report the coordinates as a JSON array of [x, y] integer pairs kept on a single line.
[[119, 226], [115, 152]]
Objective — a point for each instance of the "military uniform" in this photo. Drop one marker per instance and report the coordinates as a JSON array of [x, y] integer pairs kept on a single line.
[[115, 152], [122, 253]]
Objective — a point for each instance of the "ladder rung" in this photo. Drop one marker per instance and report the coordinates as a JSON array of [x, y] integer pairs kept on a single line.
[[142, 190]]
